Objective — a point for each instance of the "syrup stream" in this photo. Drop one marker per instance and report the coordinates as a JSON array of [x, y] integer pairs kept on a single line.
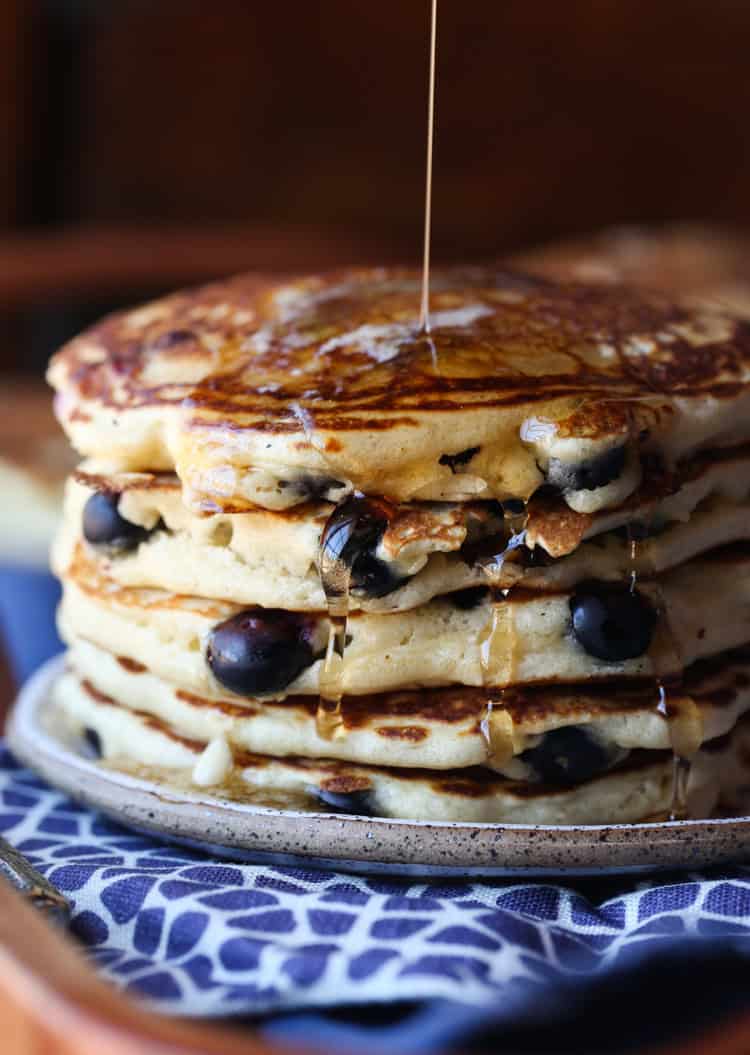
[[335, 578], [498, 648], [351, 534], [335, 571], [678, 710], [424, 311]]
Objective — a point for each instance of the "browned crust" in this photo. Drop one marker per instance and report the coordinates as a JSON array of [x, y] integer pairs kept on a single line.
[[472, 782], [132, 666], [538, 343], [458, 704], [118, 483]]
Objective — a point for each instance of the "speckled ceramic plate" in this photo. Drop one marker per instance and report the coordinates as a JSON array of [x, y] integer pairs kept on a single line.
[[358, 844]]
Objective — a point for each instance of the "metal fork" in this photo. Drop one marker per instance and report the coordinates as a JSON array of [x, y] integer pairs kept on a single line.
[[22, 875]]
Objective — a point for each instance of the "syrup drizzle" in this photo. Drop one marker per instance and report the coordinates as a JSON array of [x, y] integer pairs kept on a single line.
[[678, 710], [498, 647], [424, 311], [335, 577], [686, 734], [633, 564], [349, 540], [338, 550], [328, 717]]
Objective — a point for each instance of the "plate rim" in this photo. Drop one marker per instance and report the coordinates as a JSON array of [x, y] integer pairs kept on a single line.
[[701, 841]]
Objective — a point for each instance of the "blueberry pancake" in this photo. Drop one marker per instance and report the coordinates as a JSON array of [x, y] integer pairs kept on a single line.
[[638, 786], [140, 533], [497, 571], [150, 538], [540, 733], [276, 395]]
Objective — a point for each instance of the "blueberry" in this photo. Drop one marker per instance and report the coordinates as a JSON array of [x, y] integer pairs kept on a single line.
[[93, 742], [259, 650], [359, 803], [310, 488], [374, 578], [457, 461], [103, 525], [588, 475], [469, 598], [172, 338], [352, 535], [569, 756], [611, 621]]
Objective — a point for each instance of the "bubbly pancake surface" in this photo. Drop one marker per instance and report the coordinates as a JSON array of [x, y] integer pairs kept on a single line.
[[268, 395]]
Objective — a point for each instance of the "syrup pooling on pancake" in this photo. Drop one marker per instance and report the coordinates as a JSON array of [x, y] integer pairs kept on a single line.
[[324, 386], [365, 367]]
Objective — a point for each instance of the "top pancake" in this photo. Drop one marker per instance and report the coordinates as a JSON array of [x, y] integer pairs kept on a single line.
[[261, 394], [703, 264]]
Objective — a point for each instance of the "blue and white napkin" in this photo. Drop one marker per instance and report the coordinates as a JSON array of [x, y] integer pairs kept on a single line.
[[204, 937]]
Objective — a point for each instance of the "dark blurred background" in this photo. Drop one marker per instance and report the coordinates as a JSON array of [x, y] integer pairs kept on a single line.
[[156, 142]]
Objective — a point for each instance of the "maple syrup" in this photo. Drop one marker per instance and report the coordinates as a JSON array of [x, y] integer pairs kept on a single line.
[[498, 646], [348, 534], [685, 725], [424, 310], [678, 709], [347, 543]]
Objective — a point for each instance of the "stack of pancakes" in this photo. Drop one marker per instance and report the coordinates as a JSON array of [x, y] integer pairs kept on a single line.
[[497, 571]]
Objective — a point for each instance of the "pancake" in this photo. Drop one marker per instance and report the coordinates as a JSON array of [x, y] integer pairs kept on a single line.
[[639, 788], [530, 637], [270, 558], [271, 396], [706, 265], [446, 728], [425, 550]]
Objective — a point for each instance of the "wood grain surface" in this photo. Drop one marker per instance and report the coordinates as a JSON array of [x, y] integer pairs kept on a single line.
[[52, 1001]]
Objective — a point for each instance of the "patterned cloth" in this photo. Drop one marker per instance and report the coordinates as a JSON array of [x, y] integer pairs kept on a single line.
[[200, 936]]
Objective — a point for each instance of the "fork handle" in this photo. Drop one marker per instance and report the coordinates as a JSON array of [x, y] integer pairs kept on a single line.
[[21, 874]]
